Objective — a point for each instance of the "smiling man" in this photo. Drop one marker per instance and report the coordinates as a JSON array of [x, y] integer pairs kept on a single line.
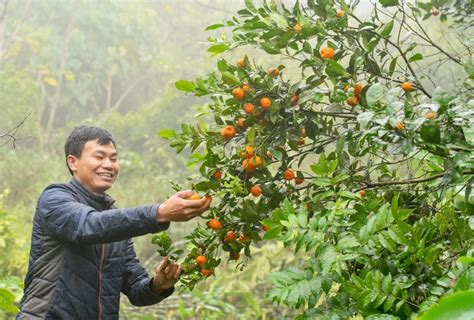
[[82, 255]]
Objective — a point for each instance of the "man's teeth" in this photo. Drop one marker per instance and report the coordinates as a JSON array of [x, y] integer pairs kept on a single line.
[[105, 174]]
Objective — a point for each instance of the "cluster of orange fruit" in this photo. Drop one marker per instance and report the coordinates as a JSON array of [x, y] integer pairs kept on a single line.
[[354, 100]]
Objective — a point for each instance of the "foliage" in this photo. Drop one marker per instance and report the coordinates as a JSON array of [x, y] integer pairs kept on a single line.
[[382, 157]]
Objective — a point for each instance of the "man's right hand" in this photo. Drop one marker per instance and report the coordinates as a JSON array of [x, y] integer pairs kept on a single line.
[[178, 208]]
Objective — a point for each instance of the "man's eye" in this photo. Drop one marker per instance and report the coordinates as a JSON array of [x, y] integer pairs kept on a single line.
[[113, 159]]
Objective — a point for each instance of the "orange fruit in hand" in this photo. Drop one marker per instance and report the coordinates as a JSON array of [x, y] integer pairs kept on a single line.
[[234, 255], [340, 13], [400, 126], [241, 122], [241, 62], [327, 53], [207, 272], [195, 197], [352, 101], [230, 236], [200, 261], [362, 193], [407, 86], [299, 180], [430, 115], [247, 153], [256, 191], [274, 72], [214, 224], [228, 132], [294, 99], [217, 175], [249, 107], [297, 28], [288, 174], [265, 103], [246, 87], [238, 93]]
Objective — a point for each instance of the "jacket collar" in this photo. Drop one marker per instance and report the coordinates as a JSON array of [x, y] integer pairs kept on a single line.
[[103, 200]]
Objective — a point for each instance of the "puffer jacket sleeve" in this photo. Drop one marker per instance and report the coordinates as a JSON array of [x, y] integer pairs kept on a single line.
[[136, 285], [62, 216]]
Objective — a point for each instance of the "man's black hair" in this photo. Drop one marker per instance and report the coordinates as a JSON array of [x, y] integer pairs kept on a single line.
[[80, 135]]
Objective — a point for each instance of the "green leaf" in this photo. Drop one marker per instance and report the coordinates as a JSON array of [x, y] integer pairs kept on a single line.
[[389, 3], [230, 79], [218, 48], [364, 118], [387, 29], [466, 280], [250, 6], [469, 68], [328, 257], [185, 85], [347, 242], [416, 57], [431, 133], [6, 301], [374, 94], [167, 133], [269, 48], [214, 26], [455, 306], [392, 66], [334, 69]]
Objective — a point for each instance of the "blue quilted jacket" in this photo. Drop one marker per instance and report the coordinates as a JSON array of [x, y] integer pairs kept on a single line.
[[82, 257]]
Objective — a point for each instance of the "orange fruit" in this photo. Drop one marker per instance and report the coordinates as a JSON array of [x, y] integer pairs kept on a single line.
[[234, 256], [256, 191], [200, 261], [247, 153], [294, 99], [274, 72], [352, 101], [228, 132], [358, 89], [214, 224], [340, 13], [434, 12], [297, 28], [288, 174], [265, 228], [407, 86], [362, 193], [248, 166], [241, 62], [400, 126], [430, 115], [241, 122], [269, 154], [238, 93], [195, 197], [265, 103], [207, 272], [249, 107], [230, 236], [327, 53], [299, 180], [257, 161], [217, 175], [246, 87]]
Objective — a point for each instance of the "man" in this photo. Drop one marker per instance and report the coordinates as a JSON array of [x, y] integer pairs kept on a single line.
[[81, 254]]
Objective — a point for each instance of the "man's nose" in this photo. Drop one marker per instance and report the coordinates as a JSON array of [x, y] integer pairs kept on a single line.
[[107, 163]]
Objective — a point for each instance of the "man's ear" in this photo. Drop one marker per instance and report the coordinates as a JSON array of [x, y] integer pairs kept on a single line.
[[72, 163]]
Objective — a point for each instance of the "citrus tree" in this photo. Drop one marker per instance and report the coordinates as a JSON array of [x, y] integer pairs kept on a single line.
[[358, 156]]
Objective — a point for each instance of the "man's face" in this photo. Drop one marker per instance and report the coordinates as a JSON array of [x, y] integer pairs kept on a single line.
[[97, 168]]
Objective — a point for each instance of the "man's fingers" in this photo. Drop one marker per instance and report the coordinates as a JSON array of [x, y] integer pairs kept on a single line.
[[162, 266], [184, 194], [177, 272], [171, 270]]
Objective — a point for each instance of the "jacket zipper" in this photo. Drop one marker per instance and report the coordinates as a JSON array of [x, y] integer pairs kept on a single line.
[[100, 279]]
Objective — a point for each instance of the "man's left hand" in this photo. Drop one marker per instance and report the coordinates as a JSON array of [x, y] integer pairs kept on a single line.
[[166, 275]]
